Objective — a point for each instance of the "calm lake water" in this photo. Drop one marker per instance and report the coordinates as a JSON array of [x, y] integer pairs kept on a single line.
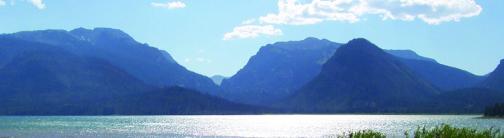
[[228, 126]]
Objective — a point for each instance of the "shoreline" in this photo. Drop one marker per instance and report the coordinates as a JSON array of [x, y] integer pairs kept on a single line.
[[481, 116]]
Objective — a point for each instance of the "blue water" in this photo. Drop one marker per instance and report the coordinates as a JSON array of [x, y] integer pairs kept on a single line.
[[228, 126]]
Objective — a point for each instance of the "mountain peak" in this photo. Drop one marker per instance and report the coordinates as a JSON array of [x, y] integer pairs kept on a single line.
[[360, 46], [93, 35], [309, 43], [311, 39], [495, 79], [360, 42]]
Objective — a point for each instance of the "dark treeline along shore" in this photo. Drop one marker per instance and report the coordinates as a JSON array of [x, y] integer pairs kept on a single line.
[[104, 71], [496, 110]]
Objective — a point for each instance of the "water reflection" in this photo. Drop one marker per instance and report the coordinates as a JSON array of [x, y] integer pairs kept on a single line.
[[242, 126]]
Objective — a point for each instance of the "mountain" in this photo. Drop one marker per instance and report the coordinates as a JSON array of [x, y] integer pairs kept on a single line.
[[444, 77], [495, 80], [277, 70], [360, 77], [41, 78], [297, 62], [217, 79], [408, 54], [150, 65]]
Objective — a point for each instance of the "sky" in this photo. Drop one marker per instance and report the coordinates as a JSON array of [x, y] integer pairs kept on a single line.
[[217, 37]]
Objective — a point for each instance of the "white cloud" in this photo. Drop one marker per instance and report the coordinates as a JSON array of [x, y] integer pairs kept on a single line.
[[252, 31], [293, 12], [38, 3], [2, 3], [249, 21], [169, 5]]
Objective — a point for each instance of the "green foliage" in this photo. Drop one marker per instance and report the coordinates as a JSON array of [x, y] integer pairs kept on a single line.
[[447, 131], [441, 131], [363, 134], [495, 111], [366, 134]]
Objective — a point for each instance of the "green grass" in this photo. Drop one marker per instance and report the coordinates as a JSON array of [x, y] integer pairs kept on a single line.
[[447, 131], [441, 131], [367, 134], [363, 134]]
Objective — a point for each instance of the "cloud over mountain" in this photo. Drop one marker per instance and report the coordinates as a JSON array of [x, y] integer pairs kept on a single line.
[[309, 12], [252, 31], [294, 12]]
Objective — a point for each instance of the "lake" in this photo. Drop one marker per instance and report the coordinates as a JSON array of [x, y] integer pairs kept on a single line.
[[227, 126]]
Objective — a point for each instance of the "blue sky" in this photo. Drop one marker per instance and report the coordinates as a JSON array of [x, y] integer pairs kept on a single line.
[[219, 36]]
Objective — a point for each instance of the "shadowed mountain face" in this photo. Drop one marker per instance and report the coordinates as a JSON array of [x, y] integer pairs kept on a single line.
[[40, 79], [150, 65], [495, 80], [360, 77], [277, 70], [444, 77]]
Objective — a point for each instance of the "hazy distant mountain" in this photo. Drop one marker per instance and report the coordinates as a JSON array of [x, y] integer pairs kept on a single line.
[[495, 80], [217, 79], [149, 64], [277, 70], [360, 77], [408, 54], [444, 77]]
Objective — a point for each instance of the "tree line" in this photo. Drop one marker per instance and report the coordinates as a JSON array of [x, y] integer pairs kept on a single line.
[[496, 110]]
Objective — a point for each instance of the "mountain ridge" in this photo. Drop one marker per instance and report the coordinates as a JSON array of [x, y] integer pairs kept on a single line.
[[277, 70], [340, 87], [149, 64]]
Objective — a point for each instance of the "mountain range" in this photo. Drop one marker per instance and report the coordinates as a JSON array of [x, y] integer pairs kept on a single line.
[[95, 72], [279, 69], [104, 71], [148, 64]]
